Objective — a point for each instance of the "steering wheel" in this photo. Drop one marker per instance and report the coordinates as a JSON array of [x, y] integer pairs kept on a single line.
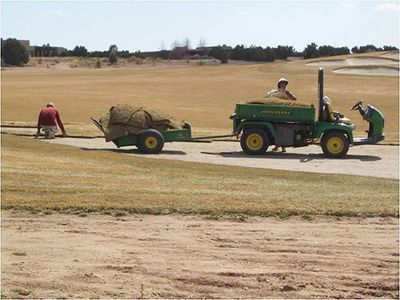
[[358, 105]]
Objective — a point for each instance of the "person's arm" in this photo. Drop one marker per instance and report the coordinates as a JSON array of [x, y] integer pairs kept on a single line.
[[60, 124], [290, 95], [270, 94]]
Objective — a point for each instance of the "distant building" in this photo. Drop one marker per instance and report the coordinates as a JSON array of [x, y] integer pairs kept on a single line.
[[47, 50], [29, 49], [42, 51], [203, 52], [196, 53]]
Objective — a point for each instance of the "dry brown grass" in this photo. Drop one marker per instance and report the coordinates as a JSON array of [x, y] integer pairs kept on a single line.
[[202, 95], [38, 177]]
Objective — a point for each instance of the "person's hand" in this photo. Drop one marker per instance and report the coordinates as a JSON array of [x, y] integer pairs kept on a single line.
[[64, 134]]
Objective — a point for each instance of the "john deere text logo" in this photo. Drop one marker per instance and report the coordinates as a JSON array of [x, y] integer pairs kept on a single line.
[[276, 112]]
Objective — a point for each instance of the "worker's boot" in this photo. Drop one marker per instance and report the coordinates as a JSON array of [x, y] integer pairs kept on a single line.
[[47, 133]]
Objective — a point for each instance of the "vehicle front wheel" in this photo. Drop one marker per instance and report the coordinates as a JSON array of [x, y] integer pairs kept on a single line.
[[335, 144], [150, 141], [254, 141]]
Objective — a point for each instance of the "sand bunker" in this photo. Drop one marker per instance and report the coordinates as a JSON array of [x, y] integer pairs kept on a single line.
[[393, 55], [357, 61], [368, 61], [323, 63], [369, 70]]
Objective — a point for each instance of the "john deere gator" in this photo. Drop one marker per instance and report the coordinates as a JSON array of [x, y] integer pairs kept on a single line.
[[293, 125]]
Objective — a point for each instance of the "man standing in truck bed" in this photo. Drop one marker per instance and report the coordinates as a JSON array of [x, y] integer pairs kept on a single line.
[[49, 117], [281, 92]]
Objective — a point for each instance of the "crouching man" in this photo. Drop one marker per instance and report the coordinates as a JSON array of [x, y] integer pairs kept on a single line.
[[49, 117]]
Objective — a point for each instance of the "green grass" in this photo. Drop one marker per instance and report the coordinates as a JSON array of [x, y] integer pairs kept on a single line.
[[42, 177]]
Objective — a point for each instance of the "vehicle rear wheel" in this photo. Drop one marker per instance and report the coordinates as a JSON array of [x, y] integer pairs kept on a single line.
[[150, 141], [334, 144], [254, 141]]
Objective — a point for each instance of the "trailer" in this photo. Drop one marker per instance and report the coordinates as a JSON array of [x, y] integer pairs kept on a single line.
[[151, 141]]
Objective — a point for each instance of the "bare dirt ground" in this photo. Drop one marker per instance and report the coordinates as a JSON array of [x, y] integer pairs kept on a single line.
[[55, 256], [367, 160]]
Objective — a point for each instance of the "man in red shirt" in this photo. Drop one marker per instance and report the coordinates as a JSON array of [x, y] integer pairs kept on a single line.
[[49, 117]]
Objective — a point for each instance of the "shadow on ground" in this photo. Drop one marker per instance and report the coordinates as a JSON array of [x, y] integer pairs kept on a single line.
[[133, 151], [295, 156]]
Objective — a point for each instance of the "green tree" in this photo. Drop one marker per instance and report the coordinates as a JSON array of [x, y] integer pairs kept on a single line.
[[389, 48], [311, 51], [113, 50], [238, 52], [220, 53], [282, 52], [113, 58], [13, 52], [80, 51]]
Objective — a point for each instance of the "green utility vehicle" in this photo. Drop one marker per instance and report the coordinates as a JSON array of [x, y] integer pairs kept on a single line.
[[262, 125]]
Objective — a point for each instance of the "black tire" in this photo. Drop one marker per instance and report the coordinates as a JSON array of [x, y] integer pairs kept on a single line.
[[334, 144], [254, 141], [150, 141]]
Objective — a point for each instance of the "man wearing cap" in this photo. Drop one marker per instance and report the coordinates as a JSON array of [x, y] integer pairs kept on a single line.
[[49, 117], [281, 92]]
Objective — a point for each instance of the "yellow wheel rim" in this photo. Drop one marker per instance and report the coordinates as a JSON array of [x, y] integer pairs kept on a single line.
[[254, 142], [335, 145], [151, 142]]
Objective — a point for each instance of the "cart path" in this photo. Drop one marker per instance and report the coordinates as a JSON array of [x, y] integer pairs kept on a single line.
[[135, 256], [368, 160]]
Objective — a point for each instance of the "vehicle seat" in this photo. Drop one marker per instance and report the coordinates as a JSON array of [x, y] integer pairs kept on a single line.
[[333, 116]]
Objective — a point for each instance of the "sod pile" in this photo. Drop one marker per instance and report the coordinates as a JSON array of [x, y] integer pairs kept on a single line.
[[277, 101], [123, 119]]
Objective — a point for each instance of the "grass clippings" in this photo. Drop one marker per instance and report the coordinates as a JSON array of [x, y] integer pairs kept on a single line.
[[19, 253], [279, 102], [21, 291]]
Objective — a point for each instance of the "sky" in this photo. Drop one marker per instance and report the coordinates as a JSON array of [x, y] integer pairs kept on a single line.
[[157, 25]]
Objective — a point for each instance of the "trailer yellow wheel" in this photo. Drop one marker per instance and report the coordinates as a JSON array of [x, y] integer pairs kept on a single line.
[[334, 144], [150, 141], [254, 141]]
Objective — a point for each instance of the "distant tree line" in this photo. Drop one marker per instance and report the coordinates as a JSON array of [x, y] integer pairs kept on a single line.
[[257, 53], [372, 48], [312, 51], [14, 53], [240, 52]]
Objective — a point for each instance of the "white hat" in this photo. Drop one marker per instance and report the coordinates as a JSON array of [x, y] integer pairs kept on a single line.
[[50, 104], [283, 80]]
